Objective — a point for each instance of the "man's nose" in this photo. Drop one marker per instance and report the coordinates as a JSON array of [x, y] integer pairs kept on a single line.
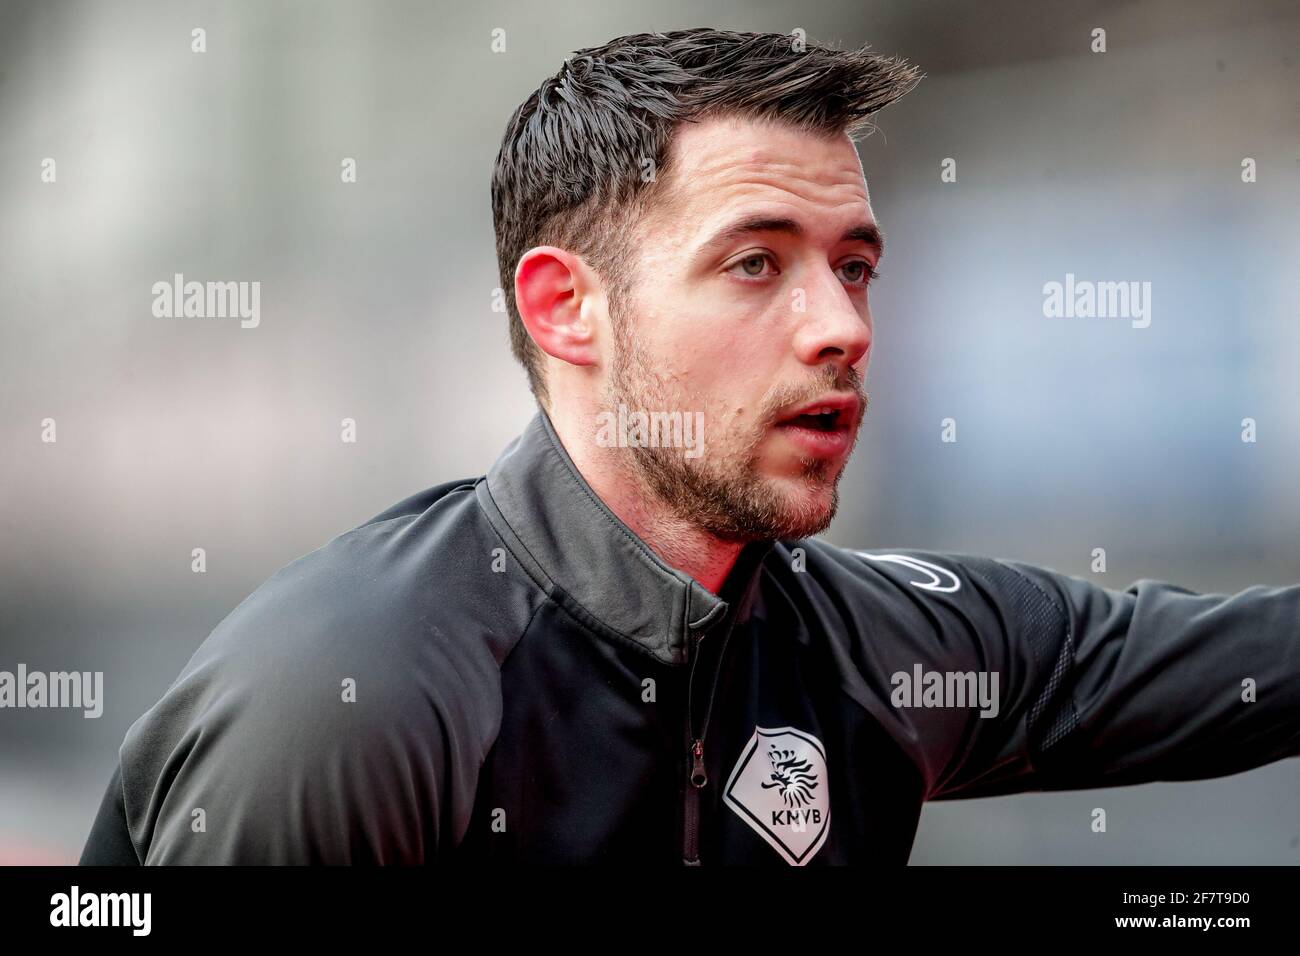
[[831, 328]]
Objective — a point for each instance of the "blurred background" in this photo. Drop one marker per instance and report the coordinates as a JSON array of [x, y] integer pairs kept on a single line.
[[1073, 434]]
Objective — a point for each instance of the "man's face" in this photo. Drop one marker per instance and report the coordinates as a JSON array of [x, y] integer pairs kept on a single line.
[[748, 303]]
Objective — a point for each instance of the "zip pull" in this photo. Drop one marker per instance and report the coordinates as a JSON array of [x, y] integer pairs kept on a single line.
[[698, 777]]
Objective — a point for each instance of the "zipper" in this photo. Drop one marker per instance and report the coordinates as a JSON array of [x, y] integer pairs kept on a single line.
[[697, 779]]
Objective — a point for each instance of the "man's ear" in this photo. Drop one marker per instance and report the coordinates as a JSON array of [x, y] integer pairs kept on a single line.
[[549, 288]]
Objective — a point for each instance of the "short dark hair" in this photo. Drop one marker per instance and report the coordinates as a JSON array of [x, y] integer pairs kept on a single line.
[[572, 167]]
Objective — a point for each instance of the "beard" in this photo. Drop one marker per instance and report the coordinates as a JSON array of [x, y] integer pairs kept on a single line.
[[724, 492]]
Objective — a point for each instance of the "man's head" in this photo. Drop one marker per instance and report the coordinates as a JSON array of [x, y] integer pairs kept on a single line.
[[683, 227]]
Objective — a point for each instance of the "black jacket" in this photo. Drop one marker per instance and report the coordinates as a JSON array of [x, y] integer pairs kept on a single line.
[[498, 670]]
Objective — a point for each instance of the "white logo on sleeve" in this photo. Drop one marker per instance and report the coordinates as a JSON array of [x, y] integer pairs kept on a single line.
[[941, 579], [779, 787]]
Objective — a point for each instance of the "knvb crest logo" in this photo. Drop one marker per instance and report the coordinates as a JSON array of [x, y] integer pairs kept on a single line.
[[779, 788]]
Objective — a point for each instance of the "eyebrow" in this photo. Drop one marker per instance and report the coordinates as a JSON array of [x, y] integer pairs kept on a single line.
[[867, 232]]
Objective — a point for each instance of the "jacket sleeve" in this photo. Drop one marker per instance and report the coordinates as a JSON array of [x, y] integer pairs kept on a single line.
[[250, 761], [1115, 687], [316, 724], [109, 841]]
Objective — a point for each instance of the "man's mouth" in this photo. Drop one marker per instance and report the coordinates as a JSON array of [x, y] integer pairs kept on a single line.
[[824, 420], [822, 428]]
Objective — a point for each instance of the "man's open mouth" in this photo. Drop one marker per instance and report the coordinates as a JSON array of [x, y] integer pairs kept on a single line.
[[832, 412], [827, 420], [823, 428]]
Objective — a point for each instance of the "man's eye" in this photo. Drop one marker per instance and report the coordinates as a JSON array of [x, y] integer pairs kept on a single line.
[[859, 272], [751, 265]]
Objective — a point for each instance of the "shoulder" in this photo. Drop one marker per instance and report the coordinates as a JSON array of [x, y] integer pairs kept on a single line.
[[363, 675], [919, 595], [931, 572], [384, 601], [929, 642]]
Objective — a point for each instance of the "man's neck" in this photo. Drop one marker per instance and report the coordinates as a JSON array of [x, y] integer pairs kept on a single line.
[[677, 541]]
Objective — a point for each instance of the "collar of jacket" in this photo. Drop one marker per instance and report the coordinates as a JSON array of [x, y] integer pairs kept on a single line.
[[585, 558]]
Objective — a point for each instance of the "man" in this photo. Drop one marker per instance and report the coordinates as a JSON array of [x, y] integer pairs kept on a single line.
[[622, 645]]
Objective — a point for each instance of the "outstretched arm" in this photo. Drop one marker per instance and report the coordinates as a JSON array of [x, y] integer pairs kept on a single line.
[[1153, 682]]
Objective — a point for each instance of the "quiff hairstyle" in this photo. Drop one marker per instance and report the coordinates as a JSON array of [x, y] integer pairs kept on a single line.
[[583, 158]]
